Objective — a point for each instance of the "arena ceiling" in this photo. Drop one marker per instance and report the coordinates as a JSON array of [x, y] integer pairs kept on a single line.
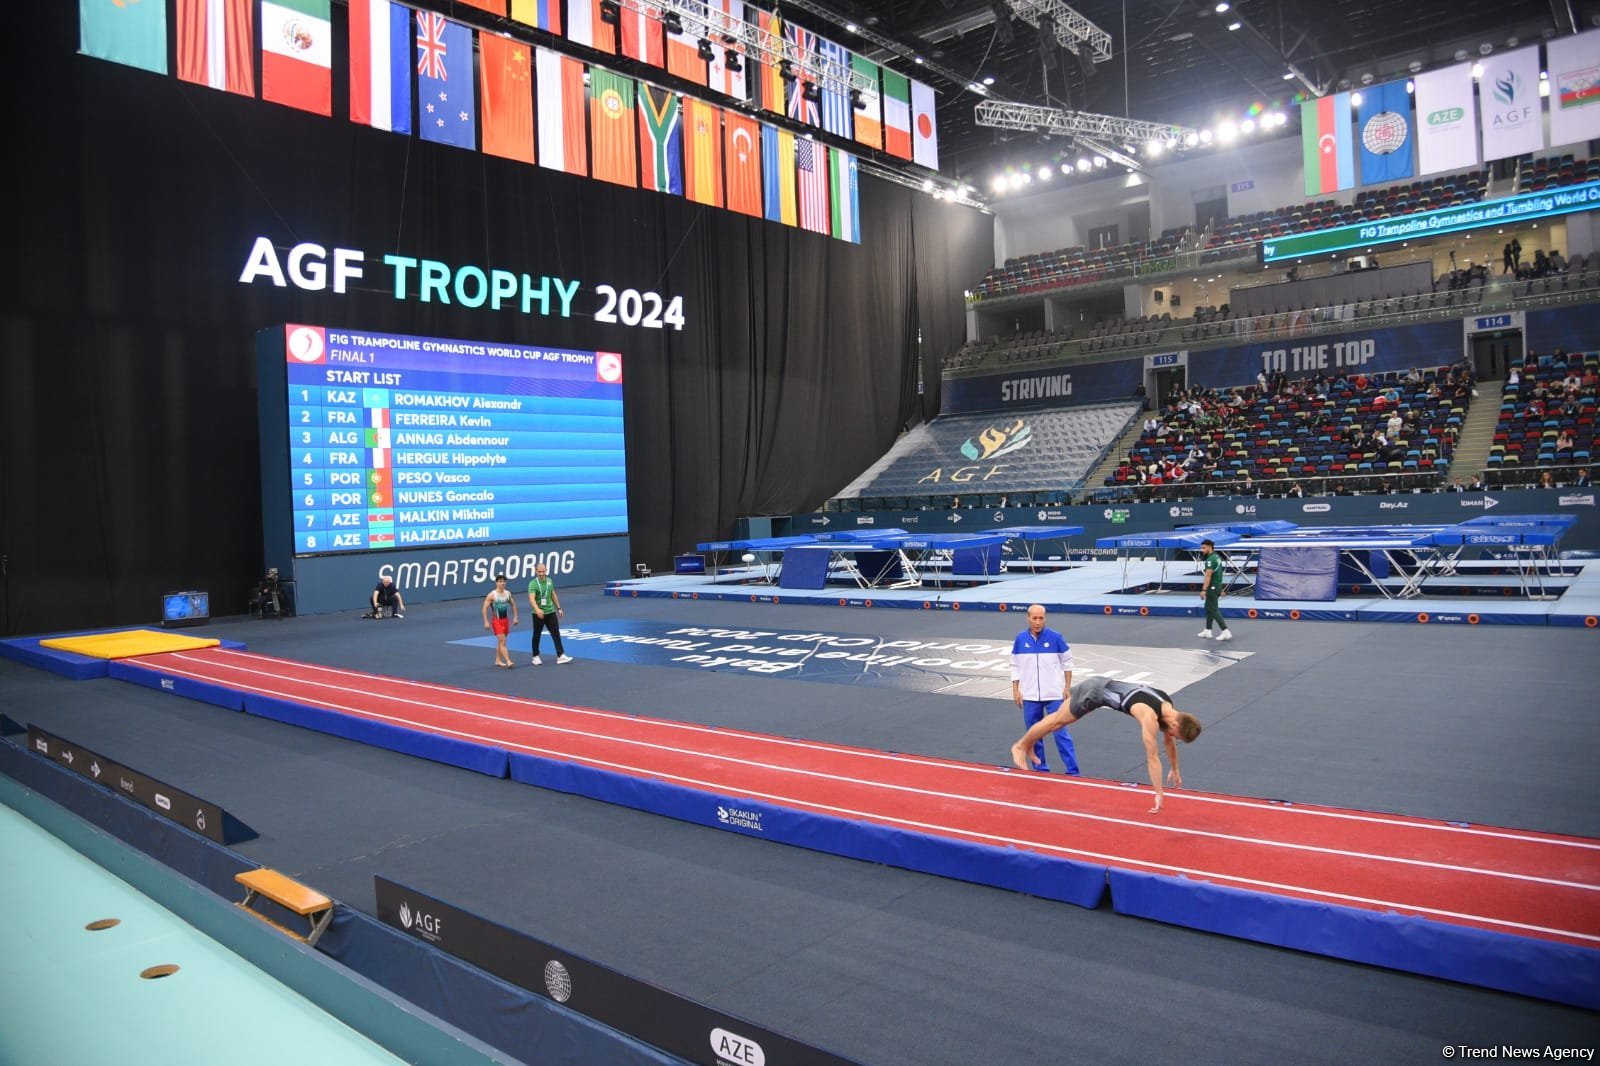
[[1177, 60]]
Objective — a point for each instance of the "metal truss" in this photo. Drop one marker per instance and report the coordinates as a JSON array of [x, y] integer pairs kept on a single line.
[[1005, 115], [723, 31], [1072, 29]]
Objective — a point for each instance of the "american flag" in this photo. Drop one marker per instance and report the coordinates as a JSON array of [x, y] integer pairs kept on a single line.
[[430, 45], [811, 190]]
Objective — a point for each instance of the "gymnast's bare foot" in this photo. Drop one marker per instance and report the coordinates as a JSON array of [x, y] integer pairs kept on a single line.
[[1020, 758]]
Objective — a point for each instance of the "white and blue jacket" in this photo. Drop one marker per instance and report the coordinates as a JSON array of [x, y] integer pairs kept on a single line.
[[1040, 664]]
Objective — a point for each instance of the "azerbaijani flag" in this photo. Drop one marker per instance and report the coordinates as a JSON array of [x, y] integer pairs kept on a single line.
[[1327, 143], [297, 54], [380, 65]]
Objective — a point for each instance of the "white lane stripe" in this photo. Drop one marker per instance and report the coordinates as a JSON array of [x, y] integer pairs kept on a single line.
[[1053, 780], [716, 787], [931, 793]]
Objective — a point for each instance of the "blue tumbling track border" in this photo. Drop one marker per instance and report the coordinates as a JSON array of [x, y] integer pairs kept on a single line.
[[1527, 966], [1022, 871]]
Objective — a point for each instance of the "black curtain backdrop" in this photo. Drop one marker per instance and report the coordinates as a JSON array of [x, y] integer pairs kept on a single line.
[[128, 436]]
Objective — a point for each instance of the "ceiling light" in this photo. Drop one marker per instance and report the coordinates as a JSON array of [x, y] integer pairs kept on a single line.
[[1222, 5], [1205, 136], [1152, 147], [1066, 168], [1083, 164], [851, 27], [917, 60], [1226, 132], [1288, 75], [1411, 86], [1018, 180], [1477, 71], [1544, 88], [1355, 99], [1192, 140], [927, 185], [1099, 160], [1247, 126], [1234, 25], [1044, 173], [999, 184], [989, 80]]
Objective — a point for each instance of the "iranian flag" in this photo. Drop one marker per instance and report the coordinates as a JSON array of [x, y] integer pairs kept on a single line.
[[215, 42], [297, 54]]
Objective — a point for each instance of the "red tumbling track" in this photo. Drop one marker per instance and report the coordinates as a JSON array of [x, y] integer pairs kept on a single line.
[[1525, 883]]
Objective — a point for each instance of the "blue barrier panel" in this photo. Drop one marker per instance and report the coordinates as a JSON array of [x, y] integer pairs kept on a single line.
[[1003, 867], [430, 746], [1298, 574], [1525, 965], [805, 568], [26, 650], [187, 687]]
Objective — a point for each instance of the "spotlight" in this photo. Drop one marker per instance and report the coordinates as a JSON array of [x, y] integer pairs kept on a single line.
[[1477, 71], [785, 70], [857, 101], [1247, 126], [730, 59], [1066, 168], [610, 12], [812, 91], [1544, 88], [851, 27], [1018, 180], [1084, 165], [989, 80], [1191, 140], [999, 184], [1411, 86], [705, 51], [1226, 132], [673, 22], [1355, 99], [1223, 5], [1099, 160], [1234, 25], [1288, 75], [1205, 136], [1044, 173], [927, 185], [1152, 147]]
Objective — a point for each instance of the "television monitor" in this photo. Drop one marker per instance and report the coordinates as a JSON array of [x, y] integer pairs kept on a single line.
[[190, 608]]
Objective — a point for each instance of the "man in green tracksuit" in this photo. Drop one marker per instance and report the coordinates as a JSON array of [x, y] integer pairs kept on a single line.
[[1211, 589]]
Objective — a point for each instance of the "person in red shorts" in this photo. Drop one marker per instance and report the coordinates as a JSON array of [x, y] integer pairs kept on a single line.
[[499, 615]]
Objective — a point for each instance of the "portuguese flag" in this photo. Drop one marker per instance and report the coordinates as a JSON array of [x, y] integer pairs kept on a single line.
[[297, 54]]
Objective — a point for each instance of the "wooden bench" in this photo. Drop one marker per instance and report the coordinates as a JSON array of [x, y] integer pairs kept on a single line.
[[290, 894]]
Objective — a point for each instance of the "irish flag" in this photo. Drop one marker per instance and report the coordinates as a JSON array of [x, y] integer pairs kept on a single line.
[[1327, 144], [896, 114], [297, 54]]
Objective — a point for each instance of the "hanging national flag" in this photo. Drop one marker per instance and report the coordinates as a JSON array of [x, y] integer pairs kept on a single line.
[[742, 147], [842, 184], [297, 54], [723, 79], [683, 53], [380, 65], [611, 136], [811, 163], [924, 127], [770, 94], [660, 140], [544, 14], [134, 35], [585, 26], [799, 106], [445, 91], [494, 7], [641, 37], [505, 77], [1447, 120], [562, 144], [702, 152], [896, 114], [836, 110], [1574, 88], [1383, 120], [1326, 146], [216, 39], [777, 174], [869, 116]]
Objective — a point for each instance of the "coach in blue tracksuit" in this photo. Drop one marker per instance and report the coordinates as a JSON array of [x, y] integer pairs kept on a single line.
[[1041, 677]]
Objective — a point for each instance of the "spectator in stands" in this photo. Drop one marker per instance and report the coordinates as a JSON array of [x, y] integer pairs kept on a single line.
[[1457, 486], [1394, 425], [1541, 263], [1477, 484], [1558, 265], [1246, 485], [1508, 261], [1516, 253], [1514, 379], [1582, 481], [1546, 481], [1384, 487], [1564, 446], [1296, 492]]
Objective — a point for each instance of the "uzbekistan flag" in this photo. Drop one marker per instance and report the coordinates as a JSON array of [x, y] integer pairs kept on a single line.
[[297, 54], [1327, 144], [380, 65]]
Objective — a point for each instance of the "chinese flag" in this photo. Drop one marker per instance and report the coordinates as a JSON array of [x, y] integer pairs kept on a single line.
[[505, 73]]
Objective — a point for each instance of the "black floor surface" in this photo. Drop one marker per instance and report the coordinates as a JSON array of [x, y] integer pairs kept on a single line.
[[1491, 725]]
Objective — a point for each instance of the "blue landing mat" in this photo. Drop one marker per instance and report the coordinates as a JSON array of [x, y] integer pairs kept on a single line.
[[28, 652]]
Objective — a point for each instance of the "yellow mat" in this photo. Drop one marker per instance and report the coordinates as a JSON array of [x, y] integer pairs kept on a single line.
[[127, 643]]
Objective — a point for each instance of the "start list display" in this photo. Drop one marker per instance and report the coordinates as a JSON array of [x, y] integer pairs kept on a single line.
[[413, 442]]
